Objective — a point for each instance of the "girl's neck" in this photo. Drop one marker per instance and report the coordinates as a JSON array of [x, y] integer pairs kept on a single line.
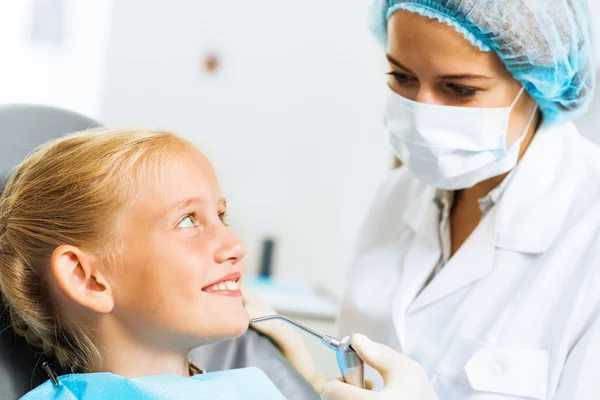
[[128, 355]]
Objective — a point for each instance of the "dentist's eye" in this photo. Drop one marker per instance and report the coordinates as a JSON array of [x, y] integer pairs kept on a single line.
[[187, 222], [461, 91], [402, 79]]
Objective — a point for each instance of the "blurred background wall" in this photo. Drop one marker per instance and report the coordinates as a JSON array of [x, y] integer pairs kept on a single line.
[[286, 98]]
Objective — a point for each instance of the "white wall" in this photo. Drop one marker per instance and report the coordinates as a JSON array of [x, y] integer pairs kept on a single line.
[[65, 74], [589, 124], [595, 15], [292, 122]]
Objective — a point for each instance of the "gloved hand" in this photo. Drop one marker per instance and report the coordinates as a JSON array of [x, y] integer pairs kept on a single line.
[[404, 379], [286, 337]]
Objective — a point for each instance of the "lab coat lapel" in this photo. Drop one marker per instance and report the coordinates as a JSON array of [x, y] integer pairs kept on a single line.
[[473, 261], [425, 251], [421, 257]]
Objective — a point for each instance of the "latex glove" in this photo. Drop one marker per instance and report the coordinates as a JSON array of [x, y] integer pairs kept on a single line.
[[288, 338], [404, 379]]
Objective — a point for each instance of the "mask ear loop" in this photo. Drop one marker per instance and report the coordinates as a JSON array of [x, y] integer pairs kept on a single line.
[[520, 139], [514, 103], [526, 131], [531, 118]]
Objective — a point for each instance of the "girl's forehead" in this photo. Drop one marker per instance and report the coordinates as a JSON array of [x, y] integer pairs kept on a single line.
[[189, 176]]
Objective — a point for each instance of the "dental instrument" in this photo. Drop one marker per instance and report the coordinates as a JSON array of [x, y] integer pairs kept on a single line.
[[350, 364]]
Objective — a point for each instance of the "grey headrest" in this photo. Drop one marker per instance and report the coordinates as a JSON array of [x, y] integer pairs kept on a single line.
[[23, 127]]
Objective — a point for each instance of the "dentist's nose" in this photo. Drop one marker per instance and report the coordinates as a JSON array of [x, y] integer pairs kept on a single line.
[[425, 95]]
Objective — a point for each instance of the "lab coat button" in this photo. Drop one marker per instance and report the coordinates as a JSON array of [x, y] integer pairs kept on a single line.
[[497, 368]]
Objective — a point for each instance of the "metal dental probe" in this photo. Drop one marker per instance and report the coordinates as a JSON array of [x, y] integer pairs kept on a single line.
[[350, 364]]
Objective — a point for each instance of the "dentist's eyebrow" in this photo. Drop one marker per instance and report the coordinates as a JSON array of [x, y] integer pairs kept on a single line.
[[464, 76], [395, 62], [461, 76]]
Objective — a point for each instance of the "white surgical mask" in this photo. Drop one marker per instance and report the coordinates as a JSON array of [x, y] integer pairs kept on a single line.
[[449, 147]]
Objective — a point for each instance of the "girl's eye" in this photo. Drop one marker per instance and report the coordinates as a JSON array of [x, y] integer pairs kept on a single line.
[[187, 222], [223, 217]]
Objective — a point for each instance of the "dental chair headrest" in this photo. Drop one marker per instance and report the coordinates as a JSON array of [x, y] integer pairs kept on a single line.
[[24, 127]]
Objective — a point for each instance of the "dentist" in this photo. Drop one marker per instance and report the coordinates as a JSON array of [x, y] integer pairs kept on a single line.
[[480, 257]]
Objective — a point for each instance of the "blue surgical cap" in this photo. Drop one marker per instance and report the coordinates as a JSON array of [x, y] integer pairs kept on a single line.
[[545, 44]]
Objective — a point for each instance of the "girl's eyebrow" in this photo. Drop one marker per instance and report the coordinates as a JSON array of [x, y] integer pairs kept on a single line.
[[185, 203]]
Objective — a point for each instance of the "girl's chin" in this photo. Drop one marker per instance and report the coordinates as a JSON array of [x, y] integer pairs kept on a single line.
[[234, 327]]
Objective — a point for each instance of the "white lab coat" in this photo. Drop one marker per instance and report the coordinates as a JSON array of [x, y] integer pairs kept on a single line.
[[515, 313]]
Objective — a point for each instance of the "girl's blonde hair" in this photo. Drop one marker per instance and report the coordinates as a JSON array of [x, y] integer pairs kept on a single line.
[[71, 191]]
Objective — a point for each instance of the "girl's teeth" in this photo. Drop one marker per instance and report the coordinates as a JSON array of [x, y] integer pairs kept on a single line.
[[231, 285], [222, 286]]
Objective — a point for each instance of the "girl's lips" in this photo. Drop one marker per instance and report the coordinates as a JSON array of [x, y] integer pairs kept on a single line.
[[227, 292], [233, 277], [228, 285]]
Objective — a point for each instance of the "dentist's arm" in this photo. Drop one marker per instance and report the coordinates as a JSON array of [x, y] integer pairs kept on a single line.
[[404, 379]]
